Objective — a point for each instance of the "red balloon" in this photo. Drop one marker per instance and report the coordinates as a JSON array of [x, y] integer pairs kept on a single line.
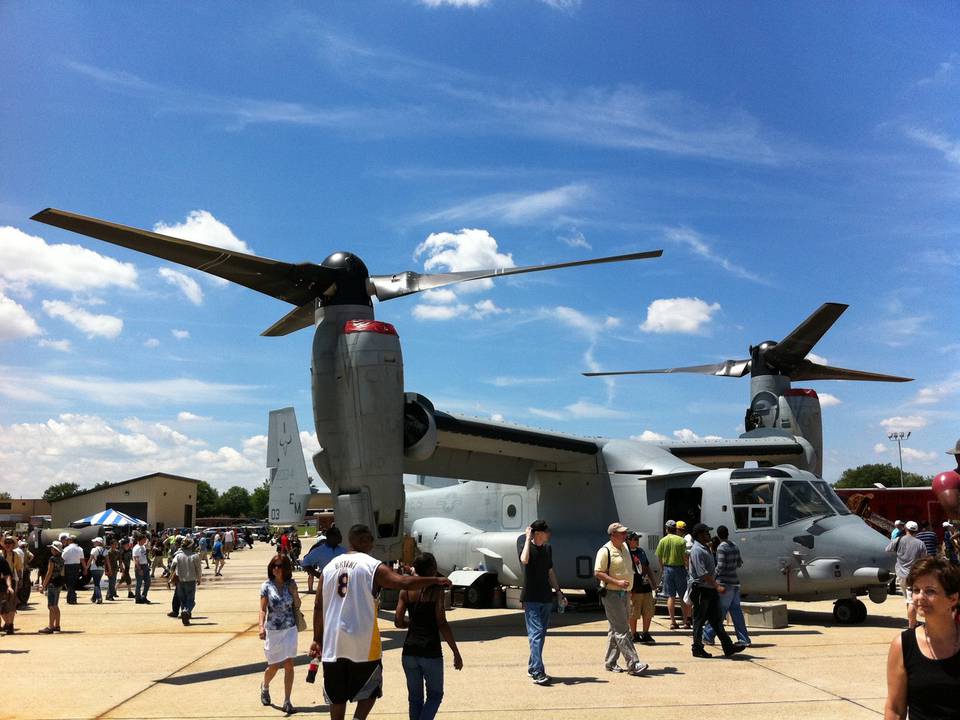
[[946, 486]]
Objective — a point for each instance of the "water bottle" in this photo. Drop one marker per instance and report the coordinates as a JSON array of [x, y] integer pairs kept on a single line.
[[312, 670]]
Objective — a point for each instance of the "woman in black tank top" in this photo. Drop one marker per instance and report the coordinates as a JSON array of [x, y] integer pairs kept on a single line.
[[923, 666], [422, 654]]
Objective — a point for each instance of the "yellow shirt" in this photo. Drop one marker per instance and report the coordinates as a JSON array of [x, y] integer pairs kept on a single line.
[[620, 566]]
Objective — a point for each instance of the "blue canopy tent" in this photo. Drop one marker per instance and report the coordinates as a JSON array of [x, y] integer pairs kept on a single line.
[[113, 518]]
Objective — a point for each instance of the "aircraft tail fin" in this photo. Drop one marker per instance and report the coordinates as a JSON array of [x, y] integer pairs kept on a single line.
[[289, 483]]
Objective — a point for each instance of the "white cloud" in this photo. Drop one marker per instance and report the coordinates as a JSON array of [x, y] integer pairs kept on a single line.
[[944, 72], [948, 147], [695, 242], [910, 453], [485, 308], [908, 422], [679, 315], [442, 296], [880, 448], [477, 311], [189, 417], [511, 381], [576, 240], [91, 325], [650, 436], [187, 285], [514, 208], [828, 400], [27, 260], [58, 345], [549, 414], [688, 435], [15, 321], [468, 249], [151, 343], [497, 417], [180, 334], [202, 227], [933, 394], [580, 410], [590, 325]]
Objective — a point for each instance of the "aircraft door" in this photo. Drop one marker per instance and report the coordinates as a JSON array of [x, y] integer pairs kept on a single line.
[[511, 511], [683, 504]]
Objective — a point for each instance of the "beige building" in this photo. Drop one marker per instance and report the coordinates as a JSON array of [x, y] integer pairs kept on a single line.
[[160, 499]]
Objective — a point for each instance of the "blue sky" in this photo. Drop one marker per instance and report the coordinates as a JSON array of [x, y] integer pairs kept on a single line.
[[782, 155]]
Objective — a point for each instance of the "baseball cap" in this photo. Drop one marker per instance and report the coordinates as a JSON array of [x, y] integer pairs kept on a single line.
[[633, 535], [670, 523], [616, 527], [912, 526], [98, 540], [947, 523], [56, 545], [681, 525], [898, 522]]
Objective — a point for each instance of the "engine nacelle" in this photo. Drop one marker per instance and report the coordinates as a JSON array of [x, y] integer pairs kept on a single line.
[[419, 427]]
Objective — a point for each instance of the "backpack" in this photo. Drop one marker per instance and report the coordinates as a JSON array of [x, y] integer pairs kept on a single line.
[[101, 558]]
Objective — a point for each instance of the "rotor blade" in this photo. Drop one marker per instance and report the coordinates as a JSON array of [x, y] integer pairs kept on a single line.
[[794, 347], [728, 368], [296, 319], [285, 281], [388, 287], [807, 370]]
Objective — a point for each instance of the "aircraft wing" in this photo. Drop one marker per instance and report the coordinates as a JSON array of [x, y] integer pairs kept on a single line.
[[730, 452], [472, 448]]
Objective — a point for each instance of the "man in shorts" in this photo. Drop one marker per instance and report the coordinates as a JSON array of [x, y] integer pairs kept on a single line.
[[908, 549], [672, 553], [345, 631], [642, 604]]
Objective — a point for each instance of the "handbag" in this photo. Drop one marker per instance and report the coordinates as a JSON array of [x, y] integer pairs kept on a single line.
[[301, 620]]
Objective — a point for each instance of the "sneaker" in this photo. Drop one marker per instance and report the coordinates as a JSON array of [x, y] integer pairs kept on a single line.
[[288, 708], [701, 653], [614, 668], [734, 649], [541, 679], [46, 631], [636, 637], [647, 639], [638, 668], [185, 618], [56, 628], [130, 594], [8, 629], [264, 695], [172, 614]]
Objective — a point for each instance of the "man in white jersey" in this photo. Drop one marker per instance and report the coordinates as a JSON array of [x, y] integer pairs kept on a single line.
[[345, 631]]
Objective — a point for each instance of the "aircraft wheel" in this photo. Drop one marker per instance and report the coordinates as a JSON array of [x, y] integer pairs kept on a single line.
[[845, 612], [860, 611]]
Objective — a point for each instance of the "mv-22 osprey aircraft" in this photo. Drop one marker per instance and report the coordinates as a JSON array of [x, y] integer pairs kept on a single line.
[[797, 538]]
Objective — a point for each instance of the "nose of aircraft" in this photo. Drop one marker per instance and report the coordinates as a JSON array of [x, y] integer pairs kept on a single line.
[[861, 547]]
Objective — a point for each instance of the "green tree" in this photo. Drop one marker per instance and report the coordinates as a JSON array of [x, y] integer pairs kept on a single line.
[[60, 491], [208, 500], [865, 476], [235, 502], [260, 500], [5, 495]]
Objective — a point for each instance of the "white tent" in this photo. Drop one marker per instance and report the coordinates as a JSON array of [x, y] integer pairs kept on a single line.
[[107, 517]]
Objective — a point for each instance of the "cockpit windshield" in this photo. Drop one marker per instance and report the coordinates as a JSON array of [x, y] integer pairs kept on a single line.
[[798, 500], [831, 497]]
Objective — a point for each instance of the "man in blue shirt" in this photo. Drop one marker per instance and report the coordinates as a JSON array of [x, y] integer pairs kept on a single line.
[[322, 552], [897, 530]]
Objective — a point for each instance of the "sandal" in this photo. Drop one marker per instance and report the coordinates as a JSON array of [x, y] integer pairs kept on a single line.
[[674, 626], [46, 631]]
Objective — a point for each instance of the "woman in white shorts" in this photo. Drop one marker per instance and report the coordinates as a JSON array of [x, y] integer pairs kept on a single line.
[[279, 600]]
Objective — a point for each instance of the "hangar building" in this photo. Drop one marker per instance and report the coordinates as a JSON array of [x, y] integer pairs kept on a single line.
[[162, 500]]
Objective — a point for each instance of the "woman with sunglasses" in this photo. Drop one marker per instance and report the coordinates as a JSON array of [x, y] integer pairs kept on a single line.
[[279, 601]]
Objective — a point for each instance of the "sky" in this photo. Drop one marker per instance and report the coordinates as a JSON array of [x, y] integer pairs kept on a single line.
[[782, 155]]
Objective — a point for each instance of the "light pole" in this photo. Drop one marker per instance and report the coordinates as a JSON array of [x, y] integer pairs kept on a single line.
[[899, 437]]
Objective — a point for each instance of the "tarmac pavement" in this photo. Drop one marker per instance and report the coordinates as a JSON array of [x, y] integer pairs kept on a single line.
[[123, 660]]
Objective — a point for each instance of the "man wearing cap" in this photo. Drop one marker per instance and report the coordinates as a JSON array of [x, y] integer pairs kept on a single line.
[[642, 604], [908, 550], [539, 585], [705, 592], [897, 529], [96, 564], [672, 553], [73, 566], [614, 569], [186, 567], [51, 584], [141, 566]]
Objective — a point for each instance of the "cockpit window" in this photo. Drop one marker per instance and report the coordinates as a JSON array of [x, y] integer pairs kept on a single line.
[[752, 504], [798, 500], [831, 497]]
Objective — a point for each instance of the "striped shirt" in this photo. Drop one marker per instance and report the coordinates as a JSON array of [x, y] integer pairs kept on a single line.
[[728, 560]]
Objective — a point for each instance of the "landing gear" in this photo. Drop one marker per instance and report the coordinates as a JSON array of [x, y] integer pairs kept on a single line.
[[849, 611]]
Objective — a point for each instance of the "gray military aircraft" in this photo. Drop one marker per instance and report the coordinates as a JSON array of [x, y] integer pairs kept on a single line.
[[365, 424]]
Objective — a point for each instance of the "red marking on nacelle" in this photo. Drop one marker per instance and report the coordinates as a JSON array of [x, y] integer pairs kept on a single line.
[[802, 392], [355, 326]]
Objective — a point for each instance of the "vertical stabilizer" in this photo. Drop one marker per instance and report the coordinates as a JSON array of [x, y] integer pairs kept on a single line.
[[289, 484]]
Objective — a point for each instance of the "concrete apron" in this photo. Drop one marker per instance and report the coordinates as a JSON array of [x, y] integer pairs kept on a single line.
[[122, 660]]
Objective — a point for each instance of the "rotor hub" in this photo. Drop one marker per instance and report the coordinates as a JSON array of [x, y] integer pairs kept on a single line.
[[350, 287]]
